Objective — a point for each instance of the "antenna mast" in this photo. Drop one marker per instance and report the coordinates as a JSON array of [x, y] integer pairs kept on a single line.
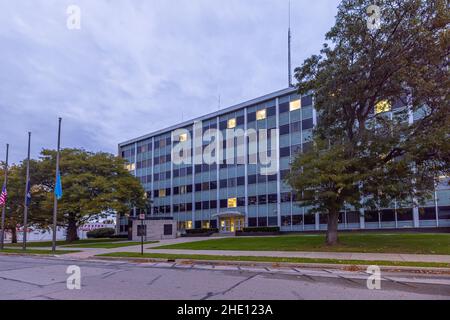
[[289, 49]]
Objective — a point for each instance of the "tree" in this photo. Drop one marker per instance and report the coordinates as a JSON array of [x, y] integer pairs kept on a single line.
[[363, 155], [93, 184], [16, 195]]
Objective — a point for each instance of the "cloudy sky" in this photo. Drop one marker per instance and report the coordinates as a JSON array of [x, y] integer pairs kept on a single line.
[[136, 66]]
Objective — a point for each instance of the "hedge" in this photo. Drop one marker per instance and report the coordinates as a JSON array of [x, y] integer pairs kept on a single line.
[[200, 231], [261, 229], [101, 233]]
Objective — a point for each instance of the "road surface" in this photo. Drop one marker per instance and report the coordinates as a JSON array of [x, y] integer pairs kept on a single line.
[[45, 278]]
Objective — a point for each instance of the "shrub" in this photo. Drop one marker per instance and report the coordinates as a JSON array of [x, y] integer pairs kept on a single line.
[[261, 229], [101, 233], [201, 231]]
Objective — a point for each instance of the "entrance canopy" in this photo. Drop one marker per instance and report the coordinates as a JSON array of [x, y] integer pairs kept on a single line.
[[228, 214]]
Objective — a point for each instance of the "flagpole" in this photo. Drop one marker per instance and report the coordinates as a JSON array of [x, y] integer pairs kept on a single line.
[[55, 201], [27, 191], [2, 242]]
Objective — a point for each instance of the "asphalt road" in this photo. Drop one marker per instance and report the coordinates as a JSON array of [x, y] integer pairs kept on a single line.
[[45, 278]]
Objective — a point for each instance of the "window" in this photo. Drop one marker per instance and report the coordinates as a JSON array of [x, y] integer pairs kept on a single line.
[[162, 193], [252, 200], [284, 129], [284, 107], [251, 117], [382, 106], [231, 124], [183, 137], [307, 124], [232, 202], [307, 100], [168, 230], [241, 181], [252, 179], [295, 105], [261, 114]]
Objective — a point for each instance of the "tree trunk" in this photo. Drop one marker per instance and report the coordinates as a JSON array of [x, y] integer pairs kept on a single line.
[[72, 229], [13, 235], [332, 230]]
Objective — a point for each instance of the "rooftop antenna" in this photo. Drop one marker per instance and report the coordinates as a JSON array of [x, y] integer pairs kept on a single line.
[[289, 48], [218, 103]]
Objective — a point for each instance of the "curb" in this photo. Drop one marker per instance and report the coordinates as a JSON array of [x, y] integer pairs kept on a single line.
[[345, 267]]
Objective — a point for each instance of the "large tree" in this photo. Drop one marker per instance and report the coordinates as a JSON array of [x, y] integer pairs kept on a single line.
[[363, 155], [94, 184]]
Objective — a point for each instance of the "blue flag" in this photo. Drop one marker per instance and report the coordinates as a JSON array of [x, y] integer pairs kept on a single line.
[[58, 187], [28, 200]]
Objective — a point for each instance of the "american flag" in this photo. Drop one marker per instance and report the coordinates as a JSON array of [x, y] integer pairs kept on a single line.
[[3, 196]]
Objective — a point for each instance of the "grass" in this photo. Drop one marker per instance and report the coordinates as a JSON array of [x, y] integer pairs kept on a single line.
[[35, 251], [109, 245], [414, 243], [43, 244], [274, 259]]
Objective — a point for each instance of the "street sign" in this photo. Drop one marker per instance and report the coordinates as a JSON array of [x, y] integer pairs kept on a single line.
[[142, 216]]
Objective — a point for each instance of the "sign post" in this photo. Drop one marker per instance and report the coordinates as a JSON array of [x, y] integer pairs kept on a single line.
[[142, 231]]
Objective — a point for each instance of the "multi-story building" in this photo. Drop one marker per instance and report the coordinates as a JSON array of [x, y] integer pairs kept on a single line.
[[239, 193]]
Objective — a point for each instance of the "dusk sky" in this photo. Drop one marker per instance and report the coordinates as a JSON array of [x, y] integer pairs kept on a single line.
[[137, 66]]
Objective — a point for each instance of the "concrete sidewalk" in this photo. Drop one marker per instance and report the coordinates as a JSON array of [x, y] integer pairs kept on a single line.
[[87, 253]]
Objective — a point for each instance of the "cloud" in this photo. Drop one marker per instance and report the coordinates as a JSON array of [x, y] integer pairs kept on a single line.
[[137, 65]]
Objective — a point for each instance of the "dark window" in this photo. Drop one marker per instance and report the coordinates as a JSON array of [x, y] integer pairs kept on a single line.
[[262, 221], [189, 170], [240, 202], [297, 220], [285, 197], [262, 178], [307, 101], [168, 230], [189, 206], [371, 216], [168, 175], [223, 125], [285, 152], [252, 179], [223, 183], [271, 111], [251, 117], [404, 214], [307, 124], [273, 221], [444, 212], [198, 224], [176, 173], [387, 215], [223, 203], [272, 177], [198, 168], [189, 188], [427, 213], [205, 205], [252, 222], [285, 129], [213, 185], [252, 200], [240, 120], [296, 126], [323, 218], [176, 190], [284, 107], [353, 217], [273, 198], [205, 186], [213, 204], [198, 206], [262, 199], [286, 221], [310, 218], [213, 224], [232, 182], [241, 181], [198, 187]]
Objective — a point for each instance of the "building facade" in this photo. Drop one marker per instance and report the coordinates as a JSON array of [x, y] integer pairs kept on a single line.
[[230, 195]]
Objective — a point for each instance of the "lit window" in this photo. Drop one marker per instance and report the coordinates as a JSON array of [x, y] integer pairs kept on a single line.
[[261, 114], [130, 166], [232, 203], [232, 123], [382, 106], [183, 137], [295, 105], [162, 193], [188, 224]]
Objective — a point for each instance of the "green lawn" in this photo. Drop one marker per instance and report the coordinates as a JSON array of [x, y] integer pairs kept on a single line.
[[274, 259], [106, 245], [35, 251], [43, 244], [418, 243]]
